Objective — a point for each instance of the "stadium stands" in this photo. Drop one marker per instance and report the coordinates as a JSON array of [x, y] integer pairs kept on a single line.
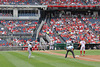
[[75, 29], [3, 42], [23, 41], [20, 26], [18, 42], [66, 27], [50, 31], [62, 2], [19, 2], [3, 31], [93, 23], [50, 2], [70, 2]]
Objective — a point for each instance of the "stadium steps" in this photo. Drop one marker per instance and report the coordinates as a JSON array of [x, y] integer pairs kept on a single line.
[[39, 28], [35, 31], [55, 32], [61, 39], [45, 39]]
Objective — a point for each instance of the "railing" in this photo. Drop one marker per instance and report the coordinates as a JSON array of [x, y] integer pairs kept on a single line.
[[48, 38], [42, 40], [40, 28]]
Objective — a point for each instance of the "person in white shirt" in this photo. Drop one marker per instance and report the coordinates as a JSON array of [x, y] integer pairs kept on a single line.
[[82, 44], [29, 49], [51, 45]]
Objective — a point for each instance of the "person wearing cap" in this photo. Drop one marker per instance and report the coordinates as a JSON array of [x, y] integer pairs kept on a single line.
[[69, 48], [29, 49]]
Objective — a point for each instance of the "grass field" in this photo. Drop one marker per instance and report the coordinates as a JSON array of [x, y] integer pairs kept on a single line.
[[38, 59]]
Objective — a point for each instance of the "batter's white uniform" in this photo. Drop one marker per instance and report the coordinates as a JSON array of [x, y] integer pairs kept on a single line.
[[82, 45]]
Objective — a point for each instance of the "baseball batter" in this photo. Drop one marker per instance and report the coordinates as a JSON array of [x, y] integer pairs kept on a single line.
[[82, 44], [29, 49]]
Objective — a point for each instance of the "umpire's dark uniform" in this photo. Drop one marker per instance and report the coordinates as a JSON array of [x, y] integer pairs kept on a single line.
[[69, 48]]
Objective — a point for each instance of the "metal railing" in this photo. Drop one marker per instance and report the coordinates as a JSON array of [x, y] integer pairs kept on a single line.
[[40, 28]]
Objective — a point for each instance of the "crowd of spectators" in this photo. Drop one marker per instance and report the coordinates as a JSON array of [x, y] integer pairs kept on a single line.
[[75, 29], [3, 42], [3, 31], [61, 2], [25, 42], [20, 26], [94, 23], [50, 31], [91, 2], [19, 2], [20, 42], [68, 28], [70, 2], [49, 2]]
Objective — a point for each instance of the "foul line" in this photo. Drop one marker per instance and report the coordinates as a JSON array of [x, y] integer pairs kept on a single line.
[[89, 58]]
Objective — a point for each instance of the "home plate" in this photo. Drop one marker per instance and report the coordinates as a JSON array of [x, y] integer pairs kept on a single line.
[[77, 56]]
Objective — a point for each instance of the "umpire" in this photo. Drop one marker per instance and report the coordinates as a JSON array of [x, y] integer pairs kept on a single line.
[[69, 48]]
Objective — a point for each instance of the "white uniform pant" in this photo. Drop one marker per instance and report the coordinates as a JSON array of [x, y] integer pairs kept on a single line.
[[82, 48], [29, 53], [51, 47]]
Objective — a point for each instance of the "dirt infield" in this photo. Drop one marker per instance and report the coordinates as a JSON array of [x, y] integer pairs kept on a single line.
[[95, 58]]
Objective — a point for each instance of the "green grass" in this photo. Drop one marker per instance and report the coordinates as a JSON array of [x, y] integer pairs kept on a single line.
[[20, 59]]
